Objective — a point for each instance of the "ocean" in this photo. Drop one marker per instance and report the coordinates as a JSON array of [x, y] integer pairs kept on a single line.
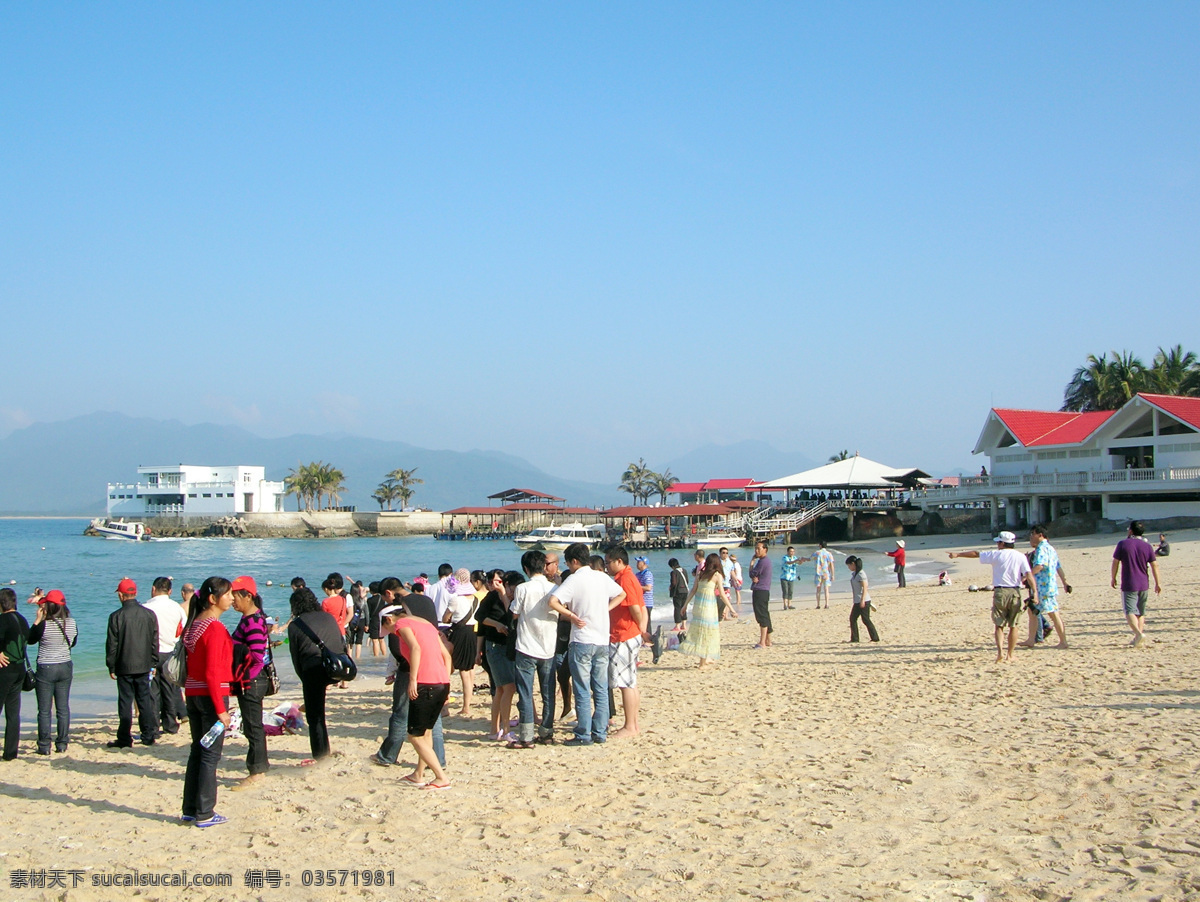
[[54, 554]]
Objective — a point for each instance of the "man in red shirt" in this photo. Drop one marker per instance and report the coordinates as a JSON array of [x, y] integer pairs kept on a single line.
[[626, 622], [898, 554]]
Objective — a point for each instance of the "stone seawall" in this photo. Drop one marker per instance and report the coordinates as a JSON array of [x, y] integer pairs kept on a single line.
[[300, 525]]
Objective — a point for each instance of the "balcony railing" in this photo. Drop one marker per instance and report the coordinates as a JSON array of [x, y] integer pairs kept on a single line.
[[1166, 478]]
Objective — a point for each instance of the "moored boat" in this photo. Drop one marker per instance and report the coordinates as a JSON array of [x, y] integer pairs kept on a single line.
[[557, 538]]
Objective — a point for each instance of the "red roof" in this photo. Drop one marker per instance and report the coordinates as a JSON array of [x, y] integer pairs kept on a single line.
[[523, 494], [690, 510], [1051, 427], [471, 511], [1184, 409], [686, 488], [717, 485]]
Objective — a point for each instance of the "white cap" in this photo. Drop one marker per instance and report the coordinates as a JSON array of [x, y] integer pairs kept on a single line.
[[1006, 537], [900, 542]]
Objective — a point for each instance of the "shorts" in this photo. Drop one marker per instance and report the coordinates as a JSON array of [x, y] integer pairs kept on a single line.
[[1135, 602], [1048, 604], [503, 670], [786, 586], [1006, 607], [426, 708], [622, 663], [760, 600]]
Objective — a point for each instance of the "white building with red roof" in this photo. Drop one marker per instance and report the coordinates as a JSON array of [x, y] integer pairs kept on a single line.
[[1140, 461]]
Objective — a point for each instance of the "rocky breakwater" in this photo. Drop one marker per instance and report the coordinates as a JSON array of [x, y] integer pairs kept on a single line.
[[297, 525]]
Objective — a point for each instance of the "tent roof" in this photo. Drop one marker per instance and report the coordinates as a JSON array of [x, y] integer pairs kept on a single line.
[[853, 473], [524, 495]]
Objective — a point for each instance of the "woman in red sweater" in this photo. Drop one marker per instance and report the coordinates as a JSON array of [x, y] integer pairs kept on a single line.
[[209, 670]]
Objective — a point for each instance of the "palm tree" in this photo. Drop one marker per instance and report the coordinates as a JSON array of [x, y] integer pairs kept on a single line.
[[333, 482], [661, 483], [301, 483], [841, 455], [386, 493], [1174, 372], [636, 480], [404, 481], [1104, 384]]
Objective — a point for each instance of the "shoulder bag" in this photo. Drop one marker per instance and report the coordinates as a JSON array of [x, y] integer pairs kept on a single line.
[[338, 667], [175, 666]]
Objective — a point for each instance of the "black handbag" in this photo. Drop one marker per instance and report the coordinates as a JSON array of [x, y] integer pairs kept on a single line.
[[339, 668], [27, 682]]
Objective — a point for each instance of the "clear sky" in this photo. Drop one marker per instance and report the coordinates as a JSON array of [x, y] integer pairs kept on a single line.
[[584, 233]]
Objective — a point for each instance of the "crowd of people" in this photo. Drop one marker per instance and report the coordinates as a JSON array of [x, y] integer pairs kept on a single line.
[[576, 632]]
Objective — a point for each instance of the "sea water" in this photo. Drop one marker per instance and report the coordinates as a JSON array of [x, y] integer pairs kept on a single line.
[[55, 554]]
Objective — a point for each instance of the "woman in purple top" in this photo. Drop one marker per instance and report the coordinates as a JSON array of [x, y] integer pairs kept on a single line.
[[251, 652], [760, 593]]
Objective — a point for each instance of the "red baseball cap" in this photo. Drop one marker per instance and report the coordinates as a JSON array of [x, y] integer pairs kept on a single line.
[[127, 587], [53, 597], [244, 584]]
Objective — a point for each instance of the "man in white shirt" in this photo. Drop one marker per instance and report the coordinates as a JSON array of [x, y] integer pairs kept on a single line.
[[167, 697], [537, 634], [584, 599], [438, 593], [1010, 568]]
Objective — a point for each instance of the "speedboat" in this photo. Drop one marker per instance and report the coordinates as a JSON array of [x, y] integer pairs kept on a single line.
[[720, 538], [557, 538], [119, 529]]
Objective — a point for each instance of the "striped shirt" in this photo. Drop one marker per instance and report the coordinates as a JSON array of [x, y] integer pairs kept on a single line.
[[54, 643], [251, 632]]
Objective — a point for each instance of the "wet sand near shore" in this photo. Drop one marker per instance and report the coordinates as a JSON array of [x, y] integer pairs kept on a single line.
[[915, 768]]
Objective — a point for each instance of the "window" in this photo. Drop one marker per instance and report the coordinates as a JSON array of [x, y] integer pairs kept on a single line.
[[192, 495], [208, 494]]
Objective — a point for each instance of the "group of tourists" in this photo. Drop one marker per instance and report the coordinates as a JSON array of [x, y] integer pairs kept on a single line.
[[577, 632]]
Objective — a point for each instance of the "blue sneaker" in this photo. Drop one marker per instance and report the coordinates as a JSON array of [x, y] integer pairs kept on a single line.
[[188, 818], [212, 821], [575, 740]]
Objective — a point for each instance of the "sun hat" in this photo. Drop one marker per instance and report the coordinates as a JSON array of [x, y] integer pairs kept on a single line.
[[1006, 537], [900, 542], [53, 597], [463, 575], [389, 610], [244, 584], [127, 587]]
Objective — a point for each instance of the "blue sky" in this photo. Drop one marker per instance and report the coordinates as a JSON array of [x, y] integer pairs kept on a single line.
[[587, 233]]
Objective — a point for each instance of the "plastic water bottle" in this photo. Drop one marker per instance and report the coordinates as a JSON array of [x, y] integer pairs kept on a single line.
[[211, 736]]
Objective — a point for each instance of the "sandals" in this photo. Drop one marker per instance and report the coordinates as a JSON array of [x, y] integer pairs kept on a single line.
[[436, 786], [411, 780], [519, 744]]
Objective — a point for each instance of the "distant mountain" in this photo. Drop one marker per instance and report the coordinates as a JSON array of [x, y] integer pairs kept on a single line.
[[749, 459], [64, 467]]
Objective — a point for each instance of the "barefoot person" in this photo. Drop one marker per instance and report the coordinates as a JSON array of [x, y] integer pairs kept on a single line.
[[1046, 571], [824, 574], [1132, 558], [760, 593], [1009, 570], [428, 689]]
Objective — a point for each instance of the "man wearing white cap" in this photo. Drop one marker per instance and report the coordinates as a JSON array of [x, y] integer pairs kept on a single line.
[[1010, 568], [898, 554]]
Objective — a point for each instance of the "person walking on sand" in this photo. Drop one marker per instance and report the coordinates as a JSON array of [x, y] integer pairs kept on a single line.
[[1046, 570], [130, 653], [898, 557], [703, 639], [679, 588], [824, 574], [787, 576], [1132, 558], [428, 690], [760, 593], [1009, 570], [860, 607]]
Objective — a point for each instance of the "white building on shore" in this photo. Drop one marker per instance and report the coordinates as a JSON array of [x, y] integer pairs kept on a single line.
[[186, 490], [1141, 461]]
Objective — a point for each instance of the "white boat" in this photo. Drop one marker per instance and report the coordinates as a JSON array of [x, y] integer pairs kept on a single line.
[[720, 539], [119, 529], [557, 538]]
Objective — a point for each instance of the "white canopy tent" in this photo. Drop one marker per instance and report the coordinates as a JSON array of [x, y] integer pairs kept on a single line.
[[852, 473]]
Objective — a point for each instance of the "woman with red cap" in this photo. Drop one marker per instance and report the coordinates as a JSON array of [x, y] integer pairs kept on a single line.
[[251, 654], [55, 633]]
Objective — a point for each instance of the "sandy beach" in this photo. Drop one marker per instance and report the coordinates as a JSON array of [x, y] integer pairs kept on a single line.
[[917, 768]]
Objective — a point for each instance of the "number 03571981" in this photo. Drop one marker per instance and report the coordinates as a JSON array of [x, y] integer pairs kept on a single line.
[[348, 877]]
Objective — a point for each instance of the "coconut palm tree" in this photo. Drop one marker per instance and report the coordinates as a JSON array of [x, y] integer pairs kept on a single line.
[[386, 493], [333, 483], [636, 481], [1104, 384], [661, 483], [1174, 372], [404, 481], [301, 483], [841, 455]]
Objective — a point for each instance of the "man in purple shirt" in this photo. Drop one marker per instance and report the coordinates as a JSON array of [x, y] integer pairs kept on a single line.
[[760, 593], [1133, 557]]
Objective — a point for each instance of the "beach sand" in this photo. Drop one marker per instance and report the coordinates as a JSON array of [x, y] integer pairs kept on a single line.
[[916, 768]]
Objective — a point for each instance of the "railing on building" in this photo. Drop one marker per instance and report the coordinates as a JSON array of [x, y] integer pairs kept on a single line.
[[972, 487]]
